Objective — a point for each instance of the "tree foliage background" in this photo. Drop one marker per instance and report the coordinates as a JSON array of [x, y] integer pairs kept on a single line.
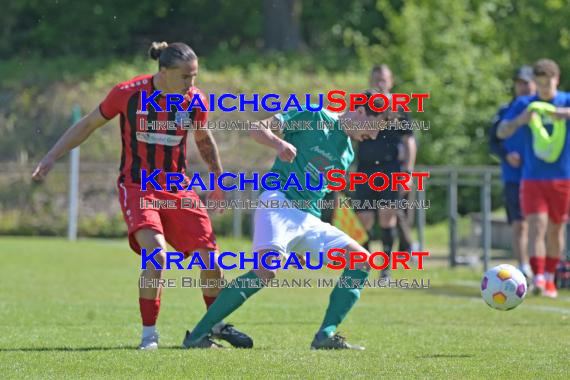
[[57, 53], [463, 52]]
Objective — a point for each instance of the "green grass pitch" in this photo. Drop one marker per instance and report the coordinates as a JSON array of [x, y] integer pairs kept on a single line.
[[71, 310]]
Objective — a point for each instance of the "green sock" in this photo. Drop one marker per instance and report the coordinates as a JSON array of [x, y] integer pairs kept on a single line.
[[229, 300], [342, 299]]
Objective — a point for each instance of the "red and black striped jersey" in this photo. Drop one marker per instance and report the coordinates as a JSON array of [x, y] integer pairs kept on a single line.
[[153, 148]]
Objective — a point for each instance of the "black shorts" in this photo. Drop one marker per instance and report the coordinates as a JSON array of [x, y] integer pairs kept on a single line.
[[364, 192], [512, 202]]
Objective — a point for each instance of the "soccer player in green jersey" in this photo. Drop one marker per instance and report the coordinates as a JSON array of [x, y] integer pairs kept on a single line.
[[286, 230]]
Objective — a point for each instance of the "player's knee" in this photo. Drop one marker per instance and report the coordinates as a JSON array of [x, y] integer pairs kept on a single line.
[[159, 258], [207, 257], [555, 229], [368, 225], [538, 224], [524, 227], [388, 218], [518, 227], [217, 272], [365, 266], [362, 263]]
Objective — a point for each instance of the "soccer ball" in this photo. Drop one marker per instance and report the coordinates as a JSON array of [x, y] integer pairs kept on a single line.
[[503, 287]]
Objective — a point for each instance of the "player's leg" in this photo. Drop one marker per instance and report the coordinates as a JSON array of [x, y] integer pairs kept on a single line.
[[558, 206], [554, 247], [322, 237], [229, 300], [364, 193], [210, 293], [520, 246], [220, 330], [341, 301], [145, 231], [189, 230], [404, 231], [366, 217], [273, 230], [388, 216], [537, 225], [388, 219], [519, 226], [534, 205], [404, 227], [149, 293]]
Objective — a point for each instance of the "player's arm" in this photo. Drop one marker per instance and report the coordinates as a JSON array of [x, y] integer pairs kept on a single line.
[[495, 143], [73, 137], [562, 113], [205, 140], [409, 145], [265, 136], [507, 128], [208, 150], [209, 153]]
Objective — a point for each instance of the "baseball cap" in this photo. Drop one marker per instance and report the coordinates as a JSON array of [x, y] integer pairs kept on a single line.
[[524, 73]]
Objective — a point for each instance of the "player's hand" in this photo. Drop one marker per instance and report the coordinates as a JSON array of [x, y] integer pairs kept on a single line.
[[561, 113], [410, 184], [43, 168], [514, 159], [217, 195], [286, 151]]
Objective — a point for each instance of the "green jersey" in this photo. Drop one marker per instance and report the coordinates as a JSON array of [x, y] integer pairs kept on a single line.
[[321, 146]]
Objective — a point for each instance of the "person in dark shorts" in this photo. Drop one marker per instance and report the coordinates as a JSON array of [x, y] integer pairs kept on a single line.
[[510, 152], [393, 151]]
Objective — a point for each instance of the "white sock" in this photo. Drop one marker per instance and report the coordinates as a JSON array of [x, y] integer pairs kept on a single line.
[[526, 268], [148, 331], [548, 276]]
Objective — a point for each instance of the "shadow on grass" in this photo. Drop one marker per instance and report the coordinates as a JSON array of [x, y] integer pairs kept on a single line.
[[279, 323]]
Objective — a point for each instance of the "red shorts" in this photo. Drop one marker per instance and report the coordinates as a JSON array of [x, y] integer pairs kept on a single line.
[[186, 229], [550, 197]]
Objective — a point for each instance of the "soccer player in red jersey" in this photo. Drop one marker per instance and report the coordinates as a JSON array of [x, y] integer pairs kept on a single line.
[[186, 229]]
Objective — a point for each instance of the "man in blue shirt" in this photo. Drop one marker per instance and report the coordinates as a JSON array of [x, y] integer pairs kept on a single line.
[[543, 120], [510, 153]]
